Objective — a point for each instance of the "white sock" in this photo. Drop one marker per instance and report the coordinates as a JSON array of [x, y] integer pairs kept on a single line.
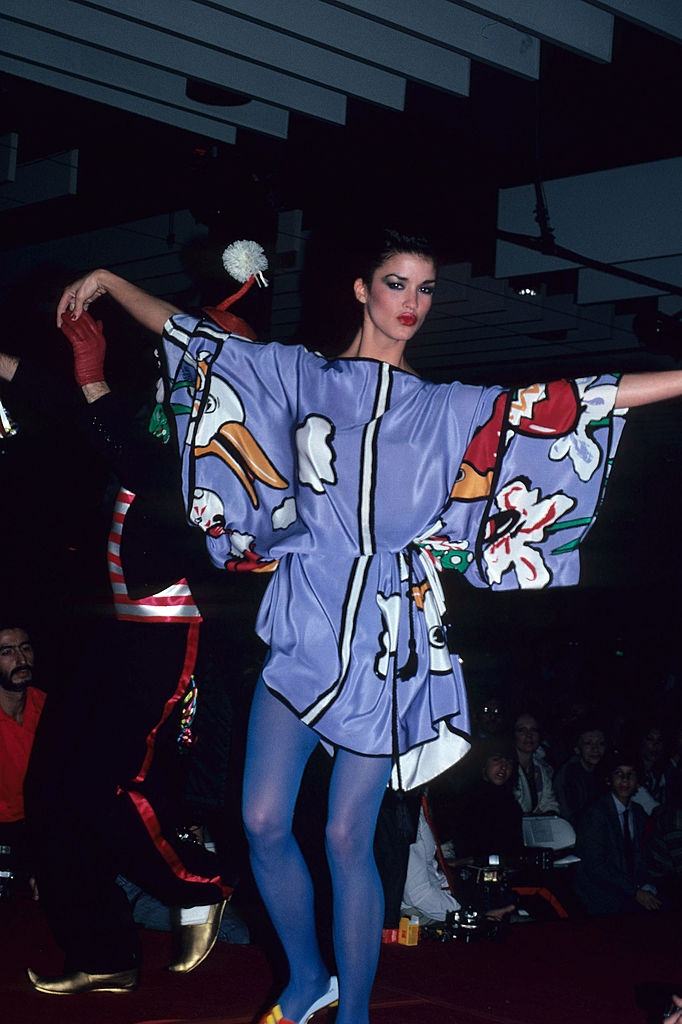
[[194, 915]]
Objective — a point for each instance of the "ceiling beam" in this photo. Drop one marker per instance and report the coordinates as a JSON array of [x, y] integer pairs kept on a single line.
[[574, 24], [75, 21], [347, 32], [265, 46], [449, 25], [142, 106], [594, 286], [92, 65], [662, 16]]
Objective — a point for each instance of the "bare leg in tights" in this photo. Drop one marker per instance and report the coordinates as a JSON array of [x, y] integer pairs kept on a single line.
[[278, 749]]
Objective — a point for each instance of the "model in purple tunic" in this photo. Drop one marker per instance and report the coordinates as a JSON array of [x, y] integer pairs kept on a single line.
[[359, 481]]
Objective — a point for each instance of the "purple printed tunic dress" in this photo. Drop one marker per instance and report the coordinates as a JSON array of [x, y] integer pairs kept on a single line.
[[358, 482]]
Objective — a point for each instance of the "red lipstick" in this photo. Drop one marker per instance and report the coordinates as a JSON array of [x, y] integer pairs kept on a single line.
[[407, 319]]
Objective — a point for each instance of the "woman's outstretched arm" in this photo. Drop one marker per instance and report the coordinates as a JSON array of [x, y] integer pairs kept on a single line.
[[645, 388], [146, 309], [634, 388]]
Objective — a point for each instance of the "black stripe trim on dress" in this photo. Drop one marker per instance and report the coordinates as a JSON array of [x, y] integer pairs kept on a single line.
[[169, 335], [193, 425], [375, 460], [497, 472], [368, 465], [395, 735], [606, 471]]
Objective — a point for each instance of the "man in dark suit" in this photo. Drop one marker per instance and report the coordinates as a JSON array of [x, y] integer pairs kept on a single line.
[[612, 876]]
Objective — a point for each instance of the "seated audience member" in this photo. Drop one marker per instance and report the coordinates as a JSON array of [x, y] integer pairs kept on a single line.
[[489, 718], [533, 788], [652, 761], [559, 738], [666, 851], [612, 876], [21, 705], [489, 819], [426, 894], [673, 771], [578, 782]]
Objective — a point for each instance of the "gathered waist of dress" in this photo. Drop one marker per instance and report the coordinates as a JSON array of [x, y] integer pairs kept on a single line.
[[333, 550], [411, 564]]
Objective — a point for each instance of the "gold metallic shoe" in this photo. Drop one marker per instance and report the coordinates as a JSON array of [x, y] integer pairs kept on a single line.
[[195, 941], [79, 982]]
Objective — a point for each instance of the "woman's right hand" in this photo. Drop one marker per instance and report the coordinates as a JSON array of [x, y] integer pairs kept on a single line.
[[79, 295]]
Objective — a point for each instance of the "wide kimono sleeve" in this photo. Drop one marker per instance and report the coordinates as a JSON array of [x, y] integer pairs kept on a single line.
[[234, 402], [532, 478]]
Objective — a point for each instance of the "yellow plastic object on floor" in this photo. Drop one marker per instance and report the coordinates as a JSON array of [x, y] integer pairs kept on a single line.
[[408, 931]]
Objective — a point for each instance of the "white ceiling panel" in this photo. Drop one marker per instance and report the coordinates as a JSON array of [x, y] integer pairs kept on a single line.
[[90, 64], [221, 31], [571, 23], [348, 32], [664, 16], [465, 31], [120, 100], [302, 56], [117, 35]]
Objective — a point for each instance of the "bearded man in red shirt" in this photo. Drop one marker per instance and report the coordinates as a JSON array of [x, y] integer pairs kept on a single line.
[[21, 705]]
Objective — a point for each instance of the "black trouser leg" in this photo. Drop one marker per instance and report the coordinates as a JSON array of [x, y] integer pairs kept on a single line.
[[91, 739]]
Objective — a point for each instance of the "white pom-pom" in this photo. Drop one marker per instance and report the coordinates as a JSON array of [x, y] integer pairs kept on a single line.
[[245, 259]]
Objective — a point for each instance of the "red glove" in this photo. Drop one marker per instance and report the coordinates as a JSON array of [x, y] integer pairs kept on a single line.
[[89, 345]]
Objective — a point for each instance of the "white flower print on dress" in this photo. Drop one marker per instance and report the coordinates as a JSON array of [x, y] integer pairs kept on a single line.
[[583, 451], [524, 518]]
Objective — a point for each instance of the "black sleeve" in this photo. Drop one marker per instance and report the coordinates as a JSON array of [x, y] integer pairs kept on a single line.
[[45, 392], [108, 424], [158, 547]]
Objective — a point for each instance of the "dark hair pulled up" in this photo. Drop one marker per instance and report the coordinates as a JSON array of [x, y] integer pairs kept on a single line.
[[389, 242]]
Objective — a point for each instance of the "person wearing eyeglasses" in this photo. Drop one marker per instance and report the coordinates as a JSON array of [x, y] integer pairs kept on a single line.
[[613, 876]]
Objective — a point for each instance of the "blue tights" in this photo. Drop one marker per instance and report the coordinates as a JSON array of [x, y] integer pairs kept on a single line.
[[278, 749]]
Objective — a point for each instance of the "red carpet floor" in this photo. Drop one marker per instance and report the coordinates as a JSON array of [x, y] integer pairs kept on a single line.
[[555, 973]]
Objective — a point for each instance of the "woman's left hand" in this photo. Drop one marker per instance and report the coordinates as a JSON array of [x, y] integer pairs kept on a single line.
[[77, 296]]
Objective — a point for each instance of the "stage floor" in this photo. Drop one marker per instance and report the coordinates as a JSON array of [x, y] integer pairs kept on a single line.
[[563, 972]]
